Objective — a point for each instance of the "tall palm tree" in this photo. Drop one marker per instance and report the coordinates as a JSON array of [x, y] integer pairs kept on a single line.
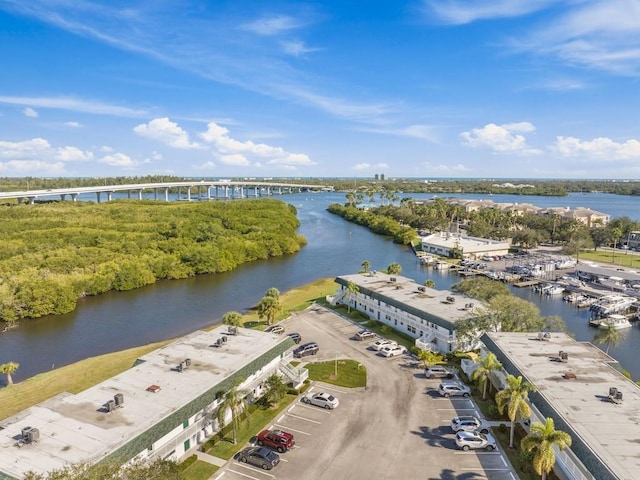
[[234, 402], [481, 374], [8, 369], [514, 399], [366, 265], [541, 440], [268, 308], [394, 269], [609, 336], [273, 292], [352, 291], [233, 319]]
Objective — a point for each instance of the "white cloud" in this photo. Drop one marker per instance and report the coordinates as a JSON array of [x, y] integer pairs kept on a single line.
[[73, 124], [74, 104], [106, 149], [218, 137], [28, 148], [270, 26], [423, 132], [367, 166], [209, 165], [234, 159], [167, 132], [32, 167], [600, 148], [30, 112], [73, 154], [504, 138], [118, 160], [297, 48], [156, 155], [445, 168], [459, 12]]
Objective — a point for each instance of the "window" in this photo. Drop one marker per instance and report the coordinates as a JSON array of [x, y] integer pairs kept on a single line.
[[185, 424]]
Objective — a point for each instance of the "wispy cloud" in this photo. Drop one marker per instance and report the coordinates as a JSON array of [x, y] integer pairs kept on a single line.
[[273, 25], [30, 112], [75, 105], [297, 48], [422, 132], [466, 11]]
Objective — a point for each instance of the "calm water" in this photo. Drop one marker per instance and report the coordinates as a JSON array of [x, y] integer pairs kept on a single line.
[[116, 321]]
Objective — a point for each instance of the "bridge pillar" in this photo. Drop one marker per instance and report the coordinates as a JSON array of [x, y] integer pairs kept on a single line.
[[208, 192], [98, 197], [63, 197], [129, 194], [188, 194], [166, 194], [155, 194], [109, 195], [32, 200], [139, 194], [74, 197]]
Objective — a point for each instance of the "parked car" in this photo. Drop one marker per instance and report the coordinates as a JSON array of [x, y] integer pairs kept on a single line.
[[310, 348], [439, 371], [377, 346], [454, 389], [275, 329], [364, 334], [321, 399], [392, 350], [276, 439], [468, 423], [475, 440], [296, 337], [259, 457]]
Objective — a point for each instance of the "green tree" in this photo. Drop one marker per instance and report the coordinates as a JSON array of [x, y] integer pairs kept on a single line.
[[268, 308], [8, 369], [541, 440], [233, 319], [609, 336], [427, 357], [352, 291], [140, 470], [273, 292], [514, 399], [481, 374], [275, 388], [514, 314], [394, 269], [430, 283], [366, 265], [234, 402]]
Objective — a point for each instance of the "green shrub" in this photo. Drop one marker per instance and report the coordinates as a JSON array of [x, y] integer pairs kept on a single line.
[[188, 462], [492, 411], [502, 428], [385, 329]]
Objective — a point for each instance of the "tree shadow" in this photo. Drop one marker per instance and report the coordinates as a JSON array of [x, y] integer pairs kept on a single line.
[[435, 437], [447, 474]]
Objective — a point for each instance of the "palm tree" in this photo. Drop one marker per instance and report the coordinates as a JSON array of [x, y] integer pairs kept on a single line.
[[268, 308], [273, 292], [394, 269], [352, 291], [235, 402], [9, 369], [514, 398], [608, 335], [541, 440], [233, 319], [481, 374], [430, 283], [616, 233], [366, 265]]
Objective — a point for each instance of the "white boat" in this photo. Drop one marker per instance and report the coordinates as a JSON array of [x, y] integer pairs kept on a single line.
[[609, 304], [616, 321], [440, 265], [554, 290]]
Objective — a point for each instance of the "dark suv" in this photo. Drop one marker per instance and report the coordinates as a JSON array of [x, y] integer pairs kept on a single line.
[[306, 349], [296, 337]]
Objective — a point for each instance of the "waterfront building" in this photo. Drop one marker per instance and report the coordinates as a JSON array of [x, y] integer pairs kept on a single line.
[[581, 388], [443, 243], [165, 404], [424, 313]]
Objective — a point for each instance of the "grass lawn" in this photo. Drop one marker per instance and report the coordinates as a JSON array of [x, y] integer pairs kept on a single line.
[[72, 378], [199, 471], [350, 373], [621, 259], [256, 422]]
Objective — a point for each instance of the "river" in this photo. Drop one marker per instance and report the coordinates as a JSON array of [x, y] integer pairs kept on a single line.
[[167, 309]]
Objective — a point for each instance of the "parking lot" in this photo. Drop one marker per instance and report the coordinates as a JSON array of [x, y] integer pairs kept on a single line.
[[396, 428]]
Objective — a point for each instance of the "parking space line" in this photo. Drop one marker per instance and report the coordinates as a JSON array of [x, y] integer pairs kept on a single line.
[[289, 428], [478, 453], [280, 419], [503, 461], [253, 469], [220, 476], [315, 409], [243, 474], [303, 418], [332, 387]]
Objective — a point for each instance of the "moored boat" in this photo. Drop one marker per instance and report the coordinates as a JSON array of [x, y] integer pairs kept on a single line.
[[616, 321]]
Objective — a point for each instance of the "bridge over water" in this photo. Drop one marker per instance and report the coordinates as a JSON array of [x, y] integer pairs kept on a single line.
[[192, 190]]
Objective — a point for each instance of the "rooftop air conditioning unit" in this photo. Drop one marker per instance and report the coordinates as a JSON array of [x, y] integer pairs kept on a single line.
[[119, 399], [392, 279], [111, 406], [564, 357], [33, 435], [187, 362], [613, 391], [422, 289], [619, 395]]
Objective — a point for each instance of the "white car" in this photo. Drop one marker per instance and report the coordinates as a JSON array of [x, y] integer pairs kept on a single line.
[[392, 350], [364, 334], [468, 423], [454, 389], [383, 342], [475, 440], [321, 399], [275, 329]]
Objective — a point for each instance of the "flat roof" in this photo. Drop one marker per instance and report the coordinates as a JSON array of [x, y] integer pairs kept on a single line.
[[75, 429], [610, 431], [404, 291], [609, 270]]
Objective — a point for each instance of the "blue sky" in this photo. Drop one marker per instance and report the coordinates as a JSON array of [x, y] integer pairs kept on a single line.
[[344, 88]]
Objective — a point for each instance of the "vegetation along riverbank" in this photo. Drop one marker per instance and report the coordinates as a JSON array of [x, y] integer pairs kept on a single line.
[[55, 253]]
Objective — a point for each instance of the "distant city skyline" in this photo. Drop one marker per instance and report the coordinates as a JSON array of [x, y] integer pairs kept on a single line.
[[504, 89]]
